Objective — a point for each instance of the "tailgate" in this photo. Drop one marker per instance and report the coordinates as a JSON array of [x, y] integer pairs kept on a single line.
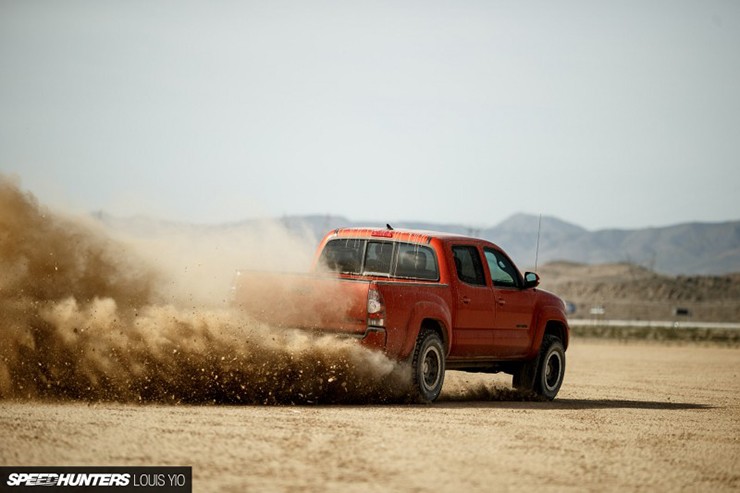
[[304, 301]]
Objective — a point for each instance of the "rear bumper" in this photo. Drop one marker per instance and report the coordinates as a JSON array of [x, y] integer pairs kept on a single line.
[[374, 337]]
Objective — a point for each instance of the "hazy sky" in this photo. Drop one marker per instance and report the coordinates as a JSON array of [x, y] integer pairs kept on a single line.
[[603, 113]]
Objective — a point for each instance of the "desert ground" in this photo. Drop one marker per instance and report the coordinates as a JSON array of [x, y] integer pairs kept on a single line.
[[115, 352], [630, 416]]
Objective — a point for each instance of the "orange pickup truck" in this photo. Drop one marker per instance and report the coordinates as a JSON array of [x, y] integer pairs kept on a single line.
[[439, 301]]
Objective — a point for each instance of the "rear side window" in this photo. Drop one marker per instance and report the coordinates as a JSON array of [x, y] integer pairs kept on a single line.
[[468, 265], [380, 258], [417, 262]]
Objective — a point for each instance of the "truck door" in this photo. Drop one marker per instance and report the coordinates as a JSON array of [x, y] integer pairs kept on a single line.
[[514, 305], [474, 316]]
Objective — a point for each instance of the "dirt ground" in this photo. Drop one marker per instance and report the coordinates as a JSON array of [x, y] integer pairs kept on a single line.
[[635, 416]]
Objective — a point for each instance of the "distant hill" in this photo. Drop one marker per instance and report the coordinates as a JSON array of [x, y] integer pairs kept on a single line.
[[683, 249], [628, 292], [689, 249]]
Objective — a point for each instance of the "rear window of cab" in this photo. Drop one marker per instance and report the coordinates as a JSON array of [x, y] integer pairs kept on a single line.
[[361, 256]]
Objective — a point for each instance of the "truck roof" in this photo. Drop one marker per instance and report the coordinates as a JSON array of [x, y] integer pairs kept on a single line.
[[410, 235]]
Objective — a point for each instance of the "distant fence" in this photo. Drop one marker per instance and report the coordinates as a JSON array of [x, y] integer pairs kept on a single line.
[[657, 330], [670, 324]]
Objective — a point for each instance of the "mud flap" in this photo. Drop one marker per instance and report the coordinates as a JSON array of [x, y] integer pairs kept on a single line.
[[524, 377]]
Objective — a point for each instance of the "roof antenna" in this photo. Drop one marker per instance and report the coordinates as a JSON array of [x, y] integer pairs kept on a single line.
[[390, 228], [537, 250]]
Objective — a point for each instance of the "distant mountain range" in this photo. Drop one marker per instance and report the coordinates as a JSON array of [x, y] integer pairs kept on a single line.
[[682, 249]]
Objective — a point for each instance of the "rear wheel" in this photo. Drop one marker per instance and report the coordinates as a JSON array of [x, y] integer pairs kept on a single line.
[[543, 375], [428, 366]]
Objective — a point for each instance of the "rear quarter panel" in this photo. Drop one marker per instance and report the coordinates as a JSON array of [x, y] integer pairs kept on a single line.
[[408, 304]]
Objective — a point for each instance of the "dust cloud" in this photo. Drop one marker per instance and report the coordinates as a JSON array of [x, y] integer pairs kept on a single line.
[[86, 315]]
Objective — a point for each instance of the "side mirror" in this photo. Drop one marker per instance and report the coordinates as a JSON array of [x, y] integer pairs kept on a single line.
[[531, 280]]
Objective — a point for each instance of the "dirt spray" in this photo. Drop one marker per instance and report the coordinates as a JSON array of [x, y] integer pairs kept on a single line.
[[82, 317]]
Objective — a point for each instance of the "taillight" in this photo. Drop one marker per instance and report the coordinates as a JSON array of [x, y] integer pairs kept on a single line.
[[375, 307]]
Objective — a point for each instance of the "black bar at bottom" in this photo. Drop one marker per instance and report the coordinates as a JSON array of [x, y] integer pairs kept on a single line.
[[121, 479]]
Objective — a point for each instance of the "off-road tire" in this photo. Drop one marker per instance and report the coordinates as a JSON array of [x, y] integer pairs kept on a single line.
[[428, 366], [544, 374]]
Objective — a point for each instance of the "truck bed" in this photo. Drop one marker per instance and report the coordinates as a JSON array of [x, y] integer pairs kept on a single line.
[[303, 301]]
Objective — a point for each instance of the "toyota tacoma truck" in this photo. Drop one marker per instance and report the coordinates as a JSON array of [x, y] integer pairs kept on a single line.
[[435, 300]]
